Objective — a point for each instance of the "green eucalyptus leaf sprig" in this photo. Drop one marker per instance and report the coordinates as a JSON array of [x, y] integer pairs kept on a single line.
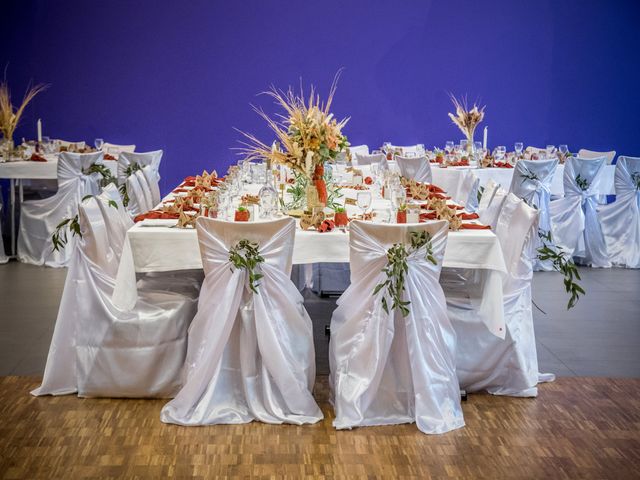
[[563, 264], [635, 178], [245, 255], [60, 238], [104, 172], [297, 190], [397, 267], [582, 182], [528, 175], [130, 170]]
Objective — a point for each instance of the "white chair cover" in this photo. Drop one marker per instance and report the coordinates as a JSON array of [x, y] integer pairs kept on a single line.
[[484, 361], [489, 191], [386, 368], [358, 150], [415, 168], [467, 193], [574, 218], [99, 350], [490, 215], [610, 155], [117, 149], [126, 159], [532, 182], [140, 200], [620, 220], [39, 218], [362, 159], [152, 178], [67, 144], [251, 356], [413, 149]]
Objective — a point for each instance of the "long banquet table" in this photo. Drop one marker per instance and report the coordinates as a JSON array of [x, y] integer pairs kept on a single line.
[[152, 246]]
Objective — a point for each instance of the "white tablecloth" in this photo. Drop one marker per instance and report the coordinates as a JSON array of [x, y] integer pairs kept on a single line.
[[48, 170]]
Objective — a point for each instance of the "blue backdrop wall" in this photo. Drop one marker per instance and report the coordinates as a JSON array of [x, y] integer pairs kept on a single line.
[[180, 75]]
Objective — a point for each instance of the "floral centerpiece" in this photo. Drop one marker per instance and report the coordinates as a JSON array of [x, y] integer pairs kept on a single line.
[[9, 115], [467, 120], [307, 136]]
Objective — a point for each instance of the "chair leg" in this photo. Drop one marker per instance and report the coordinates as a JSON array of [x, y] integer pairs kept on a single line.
[[463, 395], [327, 330]]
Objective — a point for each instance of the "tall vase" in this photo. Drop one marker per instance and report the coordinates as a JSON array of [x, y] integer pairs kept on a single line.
[[317, 189], [7, 149]]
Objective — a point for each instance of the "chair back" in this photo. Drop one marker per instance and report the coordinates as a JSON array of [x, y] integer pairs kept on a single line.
[[365, 159], [467, 193], [116, 218], [487, 195], [415, 168], [71, 172], [141, 159], [582, 176], [609, 156], [489, 216], [516, 223], [138, 193], [532, 182], [627, 177], [358, 150], [115, 149]]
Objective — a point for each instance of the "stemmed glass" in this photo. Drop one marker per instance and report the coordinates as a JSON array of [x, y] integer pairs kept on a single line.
[[550, 149], [464, 145], [564, 149], [448, 147], [98, 142], [501, 150], [518, 147], [363, 200]]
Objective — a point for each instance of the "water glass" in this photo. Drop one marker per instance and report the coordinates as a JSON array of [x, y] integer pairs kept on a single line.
[[448, 147], [363, 200], [518, 147], [550, 149], [564, 149], [98, 142]]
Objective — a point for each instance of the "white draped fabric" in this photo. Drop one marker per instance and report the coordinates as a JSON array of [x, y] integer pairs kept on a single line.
[[574, 218], [117, 149], [415, 168], [98, 349], [386, 368], [506, 366], [609, 156], [620, 220], [142, 159], [39, 218], [487, 195], [532, 182], [362, 159], [359, 150], [251, 355], [139, 194], [152, 178]]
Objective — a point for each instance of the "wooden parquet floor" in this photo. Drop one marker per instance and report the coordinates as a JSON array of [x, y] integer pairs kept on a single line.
[[576, 428]]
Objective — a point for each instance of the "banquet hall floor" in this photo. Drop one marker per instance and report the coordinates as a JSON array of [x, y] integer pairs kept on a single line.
[[599, 337]]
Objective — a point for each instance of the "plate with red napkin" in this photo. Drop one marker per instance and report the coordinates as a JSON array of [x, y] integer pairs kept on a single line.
[[36, 157]]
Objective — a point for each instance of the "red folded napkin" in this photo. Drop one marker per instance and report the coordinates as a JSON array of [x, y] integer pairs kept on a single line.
[[36, 157], [474, 226], [502, 165], [468, 216], [439, 195], [109, 157], [435, 189], [180, 190], [155, 214], [457, 207], [428, 216]]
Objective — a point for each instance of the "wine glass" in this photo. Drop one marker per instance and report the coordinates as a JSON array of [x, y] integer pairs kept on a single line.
[[363, 200], [448, 147], [564, 149], [550, 149], [98, 142], [501, 150], [420, 148], [518, 147], [464, 145]]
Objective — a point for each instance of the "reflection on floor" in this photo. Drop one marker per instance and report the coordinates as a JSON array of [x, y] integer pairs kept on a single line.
[[599, 337]]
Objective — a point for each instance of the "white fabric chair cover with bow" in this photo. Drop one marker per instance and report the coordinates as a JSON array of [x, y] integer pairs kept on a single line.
[[152, 178], [140, 197], [489, 216], [39, 218], [406, 150], [484, 361], [142, 159], [386, 368], [574, 218], [251, 355], [609, 156], [415, 168], [620, 220], [377, 158], [489, 191], [467, 193], [532, 182], [358, 150], [98, 350]]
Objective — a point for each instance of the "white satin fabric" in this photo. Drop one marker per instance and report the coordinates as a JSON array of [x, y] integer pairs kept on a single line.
[[140, 197], [39, 218], [143, 159], [415, 168], [98, 350], [362, 159], [467, 193], [536, 192], [507, 366], [358, 150], [487, 195], [574, 218], [620, 220], [406, 150], [609, 156], [251, 355], [386, 368]]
